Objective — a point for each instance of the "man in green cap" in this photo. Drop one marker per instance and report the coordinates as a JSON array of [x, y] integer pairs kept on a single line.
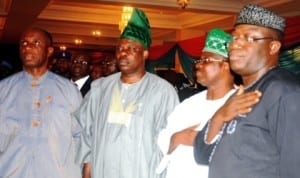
[[176, 140], [124, 112]]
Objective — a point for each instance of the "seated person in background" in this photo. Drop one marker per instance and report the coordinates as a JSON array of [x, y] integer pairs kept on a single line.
[[80, 69], [191, 89], [6, 69], [212, 70], [96, 71], [178, 80], [51, 63], [62, 64], [109, 66]]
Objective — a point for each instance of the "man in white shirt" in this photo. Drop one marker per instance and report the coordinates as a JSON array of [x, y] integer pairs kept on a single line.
[[176, 140]]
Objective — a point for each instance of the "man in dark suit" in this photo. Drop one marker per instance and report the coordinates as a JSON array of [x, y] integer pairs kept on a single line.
[[80, 68]]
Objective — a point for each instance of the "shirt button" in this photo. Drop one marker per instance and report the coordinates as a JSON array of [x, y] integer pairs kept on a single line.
[[37, 104], [48, 99], [35, 123], [34, 83]]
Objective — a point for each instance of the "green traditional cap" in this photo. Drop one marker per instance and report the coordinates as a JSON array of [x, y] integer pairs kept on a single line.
[[217, 41], [138, 28]]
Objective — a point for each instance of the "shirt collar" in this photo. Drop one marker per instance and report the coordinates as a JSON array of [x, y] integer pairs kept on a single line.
[[80, 82]]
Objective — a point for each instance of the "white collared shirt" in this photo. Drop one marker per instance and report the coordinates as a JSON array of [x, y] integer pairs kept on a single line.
[[79, 83]]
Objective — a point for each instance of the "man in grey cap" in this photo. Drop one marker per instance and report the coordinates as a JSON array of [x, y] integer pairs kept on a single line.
[[261, 140]]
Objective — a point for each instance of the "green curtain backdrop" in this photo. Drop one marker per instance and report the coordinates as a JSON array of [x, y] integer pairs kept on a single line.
[[186, 63], [167, 60], [290, 59], [163, 56]]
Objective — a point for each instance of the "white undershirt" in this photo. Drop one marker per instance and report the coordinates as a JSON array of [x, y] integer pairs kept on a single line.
[[79, 83]]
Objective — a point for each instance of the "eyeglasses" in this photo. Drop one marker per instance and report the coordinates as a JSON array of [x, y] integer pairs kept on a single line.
[[250, 39], [208, 60], [108, 63], [80, 62], [35, 44], [129, 49]]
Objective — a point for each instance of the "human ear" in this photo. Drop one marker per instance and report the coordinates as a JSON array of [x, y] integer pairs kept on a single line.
[[274, 47], [90, 68], [50, 51], [226, 66], [145, 54]]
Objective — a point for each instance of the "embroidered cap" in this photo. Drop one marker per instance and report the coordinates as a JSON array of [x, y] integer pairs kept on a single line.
[[256, 15], [138, 28], [217, 41]]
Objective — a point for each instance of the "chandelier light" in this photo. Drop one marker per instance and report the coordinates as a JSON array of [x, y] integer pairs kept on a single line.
[[96, 33], [78, 41], [62, 47], [183, 3], [125, 16]]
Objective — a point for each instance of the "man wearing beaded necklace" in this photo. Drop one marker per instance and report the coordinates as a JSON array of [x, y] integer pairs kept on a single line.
[[262, 140]]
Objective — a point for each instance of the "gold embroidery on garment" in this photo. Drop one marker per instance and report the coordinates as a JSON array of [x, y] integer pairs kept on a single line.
[[117, 113]]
